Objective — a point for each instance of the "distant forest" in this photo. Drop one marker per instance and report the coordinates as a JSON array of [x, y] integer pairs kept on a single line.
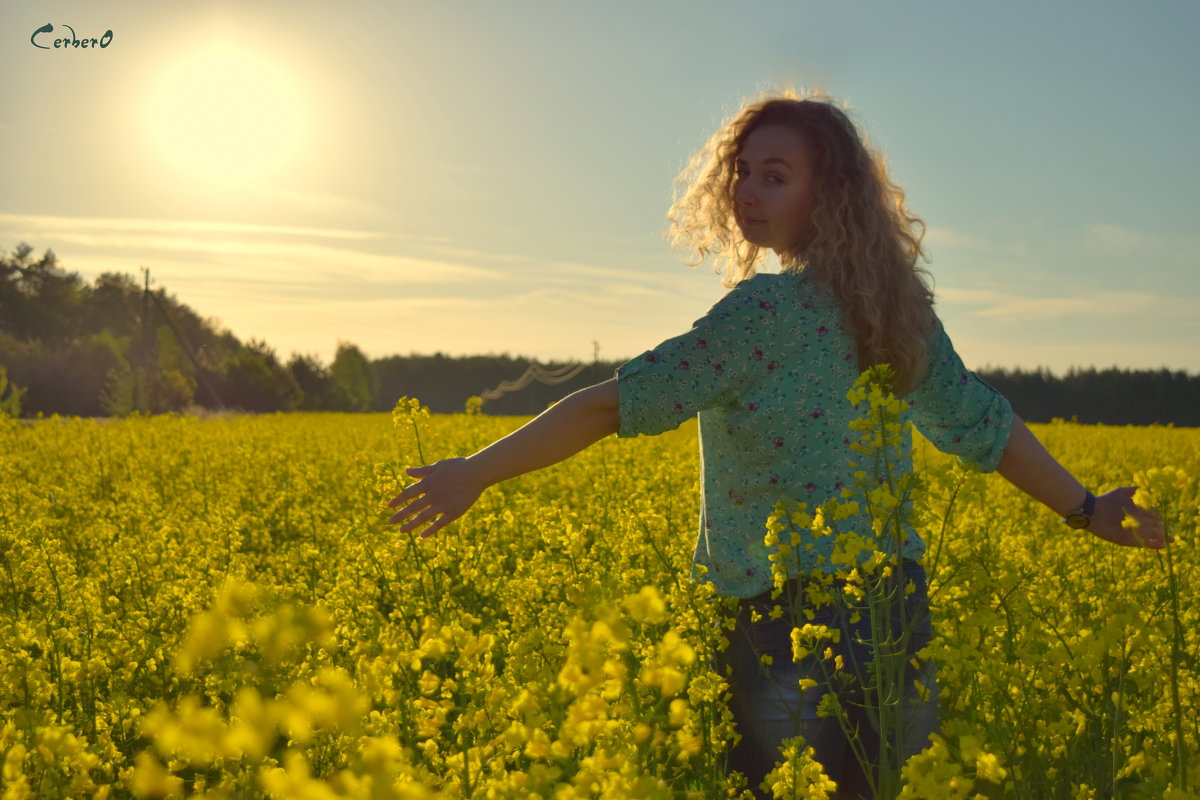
[[112, 347]]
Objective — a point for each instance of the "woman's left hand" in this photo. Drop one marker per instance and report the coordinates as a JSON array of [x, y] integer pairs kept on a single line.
[[1109, 516], [443, 492]]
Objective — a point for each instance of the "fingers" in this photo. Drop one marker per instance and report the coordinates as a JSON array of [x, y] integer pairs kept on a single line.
[[436, 519], [437, 525], [424, 512], [420, 519], [442, 493], [417, 508], [409, 510], [413, 490], [1149, 531], [410, 492], [1118, 519]]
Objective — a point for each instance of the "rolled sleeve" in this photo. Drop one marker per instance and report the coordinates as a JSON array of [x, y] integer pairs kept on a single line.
[[702, 368], [957, 411]]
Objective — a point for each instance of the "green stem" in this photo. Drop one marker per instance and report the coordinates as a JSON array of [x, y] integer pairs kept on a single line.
[[417, 434], [1181, 756]]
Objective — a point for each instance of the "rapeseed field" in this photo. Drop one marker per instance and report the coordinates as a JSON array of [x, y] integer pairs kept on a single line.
[[215, 607]]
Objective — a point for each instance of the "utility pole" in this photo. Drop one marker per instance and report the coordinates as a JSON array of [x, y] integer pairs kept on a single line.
[[187, 348], [141, 369]]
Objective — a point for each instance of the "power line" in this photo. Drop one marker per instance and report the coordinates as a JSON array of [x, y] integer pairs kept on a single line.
[[534, 372], [141, 375]]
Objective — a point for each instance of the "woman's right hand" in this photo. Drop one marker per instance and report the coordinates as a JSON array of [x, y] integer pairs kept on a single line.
[[1109, 515], [443, 492]]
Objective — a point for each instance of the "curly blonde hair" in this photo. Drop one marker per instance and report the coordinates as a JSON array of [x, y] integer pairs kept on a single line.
[[865, 243]]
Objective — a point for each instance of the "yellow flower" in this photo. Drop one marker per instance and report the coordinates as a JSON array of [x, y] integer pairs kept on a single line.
[[987, 767], [798, 775], [151, 780], [647, 605]]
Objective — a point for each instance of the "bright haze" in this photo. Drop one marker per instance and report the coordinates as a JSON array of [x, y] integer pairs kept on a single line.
[[492, 176]]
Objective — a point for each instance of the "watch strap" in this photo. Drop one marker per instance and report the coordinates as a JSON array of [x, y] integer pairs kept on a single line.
[[1083, 516]]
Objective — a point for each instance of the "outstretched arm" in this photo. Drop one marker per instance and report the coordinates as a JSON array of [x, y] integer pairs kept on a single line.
[[1027, 465], [445, 490]]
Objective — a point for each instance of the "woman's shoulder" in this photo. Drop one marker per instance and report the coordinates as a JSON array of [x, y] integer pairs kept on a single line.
[[774, 280], [755, 296], [785, 292], [779, 284]]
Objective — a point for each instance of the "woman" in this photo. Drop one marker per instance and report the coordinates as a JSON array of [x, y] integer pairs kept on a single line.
[[768, 369]]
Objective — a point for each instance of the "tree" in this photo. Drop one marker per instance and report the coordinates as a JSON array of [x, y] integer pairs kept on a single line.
[[255, 380], [10, 396], [114, 304], [38, 300], [354, 377], [117, 393], [317, 385]]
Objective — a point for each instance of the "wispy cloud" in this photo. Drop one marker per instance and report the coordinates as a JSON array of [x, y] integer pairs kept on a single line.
[[52, 224], [244, 253], [1174, 249], [1093, 305], [603, 279], [948, 236], [303, 200], [389, 305], [1119, 237]]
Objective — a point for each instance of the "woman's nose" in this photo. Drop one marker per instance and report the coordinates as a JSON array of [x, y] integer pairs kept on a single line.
[[742, 195]]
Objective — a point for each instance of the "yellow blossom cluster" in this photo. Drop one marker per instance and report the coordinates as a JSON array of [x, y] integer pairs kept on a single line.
[[961, 772], [798, 775]]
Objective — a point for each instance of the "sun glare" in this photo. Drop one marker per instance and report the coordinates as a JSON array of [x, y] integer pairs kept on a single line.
[[224, 113]]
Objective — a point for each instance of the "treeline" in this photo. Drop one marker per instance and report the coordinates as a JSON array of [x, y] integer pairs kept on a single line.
[[445, 383], [111, 348], [1109, 396]]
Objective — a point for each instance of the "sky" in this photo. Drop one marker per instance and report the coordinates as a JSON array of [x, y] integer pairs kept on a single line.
[[492, 176]]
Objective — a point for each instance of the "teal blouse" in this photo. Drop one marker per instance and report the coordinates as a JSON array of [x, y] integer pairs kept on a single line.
[[768, 369]]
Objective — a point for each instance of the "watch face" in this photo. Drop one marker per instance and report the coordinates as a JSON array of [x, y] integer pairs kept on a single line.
[[1077, 521]]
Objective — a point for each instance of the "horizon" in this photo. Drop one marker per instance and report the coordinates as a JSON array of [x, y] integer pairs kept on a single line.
[[285, 356], [454, 179]]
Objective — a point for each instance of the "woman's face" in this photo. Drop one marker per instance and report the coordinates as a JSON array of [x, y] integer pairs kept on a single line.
[[773, 194]]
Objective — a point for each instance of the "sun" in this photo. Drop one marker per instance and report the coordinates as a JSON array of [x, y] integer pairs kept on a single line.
[[227, 114]]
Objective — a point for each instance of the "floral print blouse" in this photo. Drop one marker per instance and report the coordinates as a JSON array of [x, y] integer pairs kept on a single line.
[[768, 369]]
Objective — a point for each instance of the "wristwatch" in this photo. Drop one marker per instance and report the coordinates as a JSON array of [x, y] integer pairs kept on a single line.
[[1083, 517]]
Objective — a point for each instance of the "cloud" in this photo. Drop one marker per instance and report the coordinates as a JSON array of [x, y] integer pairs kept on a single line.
[[40, 224], [1118, 237], [1096, 304], [462, 252], [590, 280], [374, 306], [286, 257], [325, 203], [947, 236], [632, 290], [559, 266], [1152, 249]]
